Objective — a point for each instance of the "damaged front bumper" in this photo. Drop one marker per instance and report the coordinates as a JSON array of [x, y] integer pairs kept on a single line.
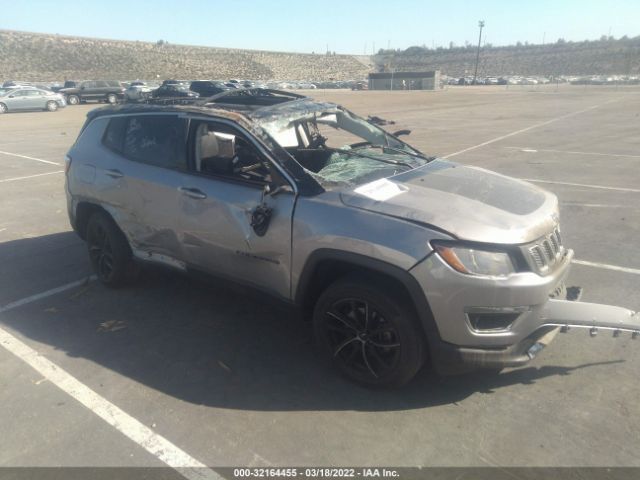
[[460, 303], [557, 316]]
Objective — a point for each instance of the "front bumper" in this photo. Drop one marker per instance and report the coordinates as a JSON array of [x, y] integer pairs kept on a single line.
[[558, 315], [459, 347]]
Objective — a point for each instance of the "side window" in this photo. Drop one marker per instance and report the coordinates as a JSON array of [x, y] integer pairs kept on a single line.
[[88, 85], [157, 140], [101, 84], [223, 151]]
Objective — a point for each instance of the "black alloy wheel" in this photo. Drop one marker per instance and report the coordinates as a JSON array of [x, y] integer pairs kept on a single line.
[[100, 251], [368, 330], [109, 251], [361, 339]]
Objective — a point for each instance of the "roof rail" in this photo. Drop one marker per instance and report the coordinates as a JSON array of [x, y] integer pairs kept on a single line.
[[171, 101], [252, 96]]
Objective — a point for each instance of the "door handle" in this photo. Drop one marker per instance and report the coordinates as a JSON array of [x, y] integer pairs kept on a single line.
[[113, 173], [192, 192]]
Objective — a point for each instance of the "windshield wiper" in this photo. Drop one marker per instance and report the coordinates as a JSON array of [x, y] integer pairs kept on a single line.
[[363, 155]]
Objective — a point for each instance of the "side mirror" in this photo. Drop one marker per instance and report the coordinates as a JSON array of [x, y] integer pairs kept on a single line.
[[399, 133]]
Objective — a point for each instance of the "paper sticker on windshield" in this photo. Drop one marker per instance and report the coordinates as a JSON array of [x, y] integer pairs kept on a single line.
[[380, 190]]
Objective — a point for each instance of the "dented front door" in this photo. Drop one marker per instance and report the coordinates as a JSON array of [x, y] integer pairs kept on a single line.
[[217, 234]]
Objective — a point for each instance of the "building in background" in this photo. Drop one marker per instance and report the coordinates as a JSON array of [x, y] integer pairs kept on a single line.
[[405, 80]]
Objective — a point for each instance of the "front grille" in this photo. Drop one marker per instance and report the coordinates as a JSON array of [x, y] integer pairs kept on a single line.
[[547, 251]]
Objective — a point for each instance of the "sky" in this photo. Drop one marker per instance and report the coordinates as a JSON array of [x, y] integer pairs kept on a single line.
[[346, 26]]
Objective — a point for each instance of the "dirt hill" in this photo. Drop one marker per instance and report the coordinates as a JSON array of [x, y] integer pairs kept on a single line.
[[599, 57], [43, 57]]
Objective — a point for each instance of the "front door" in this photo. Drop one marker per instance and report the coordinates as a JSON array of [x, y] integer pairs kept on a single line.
[[19, 100], [230, 227]]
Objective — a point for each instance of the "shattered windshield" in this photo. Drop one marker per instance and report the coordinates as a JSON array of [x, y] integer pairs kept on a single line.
[[340, 148]]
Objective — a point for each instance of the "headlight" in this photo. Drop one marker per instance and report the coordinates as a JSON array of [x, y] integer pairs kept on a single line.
[[476, 262]]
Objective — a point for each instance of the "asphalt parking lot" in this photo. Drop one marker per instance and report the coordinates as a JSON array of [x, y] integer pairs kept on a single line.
[[230, 379]]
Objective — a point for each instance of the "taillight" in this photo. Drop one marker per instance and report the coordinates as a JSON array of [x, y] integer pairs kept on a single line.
[[67, 164]]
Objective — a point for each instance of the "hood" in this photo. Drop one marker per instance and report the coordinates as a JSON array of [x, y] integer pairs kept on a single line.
[[470, 203]]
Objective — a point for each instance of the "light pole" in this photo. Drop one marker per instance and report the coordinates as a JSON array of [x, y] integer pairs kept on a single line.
[[475, 74]]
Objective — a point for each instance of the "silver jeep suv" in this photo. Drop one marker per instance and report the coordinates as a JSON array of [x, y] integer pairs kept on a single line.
[[399, 257]]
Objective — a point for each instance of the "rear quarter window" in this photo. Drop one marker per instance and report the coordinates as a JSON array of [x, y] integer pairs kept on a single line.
[[114, 135], [158, 140]]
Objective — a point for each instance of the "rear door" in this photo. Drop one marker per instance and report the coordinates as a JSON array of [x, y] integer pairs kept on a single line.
[[140, 179], [220, 206], [102, 88], [36, 99]]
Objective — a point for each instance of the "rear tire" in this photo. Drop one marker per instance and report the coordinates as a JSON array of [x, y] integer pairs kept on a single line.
[[112, 99], [3, 108], [73, 100], [51, 106], [109, 251], [369, 334]]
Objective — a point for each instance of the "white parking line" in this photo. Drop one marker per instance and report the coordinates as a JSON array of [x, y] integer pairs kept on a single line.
[[522, 130], [29, 158], [586, 185], [45, 294], [607, 266], [155, 444], [30, 176], [571, 152]]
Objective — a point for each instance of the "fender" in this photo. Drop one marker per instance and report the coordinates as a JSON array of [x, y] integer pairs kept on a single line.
[[400, 275]]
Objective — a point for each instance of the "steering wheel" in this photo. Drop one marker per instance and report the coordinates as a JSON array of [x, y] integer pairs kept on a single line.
[[248, 168], [317, 142]]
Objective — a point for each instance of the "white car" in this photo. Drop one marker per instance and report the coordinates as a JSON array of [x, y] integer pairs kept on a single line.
[[29, 98], [138, 91]]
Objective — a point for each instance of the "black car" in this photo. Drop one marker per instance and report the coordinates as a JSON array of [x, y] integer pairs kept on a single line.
[[109, 91], [171, 90], [208, 88]]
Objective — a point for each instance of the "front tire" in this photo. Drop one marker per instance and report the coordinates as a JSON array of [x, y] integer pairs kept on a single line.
[[73, 100], [109, 251], [3, 108], [51, 106], [371, 336], [112, 99]]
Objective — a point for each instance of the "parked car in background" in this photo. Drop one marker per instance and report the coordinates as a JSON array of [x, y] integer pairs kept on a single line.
[[208, 88], [170, 90], [138, 91], [176, 82], [15, 83], [28, 98], [110, 91]]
